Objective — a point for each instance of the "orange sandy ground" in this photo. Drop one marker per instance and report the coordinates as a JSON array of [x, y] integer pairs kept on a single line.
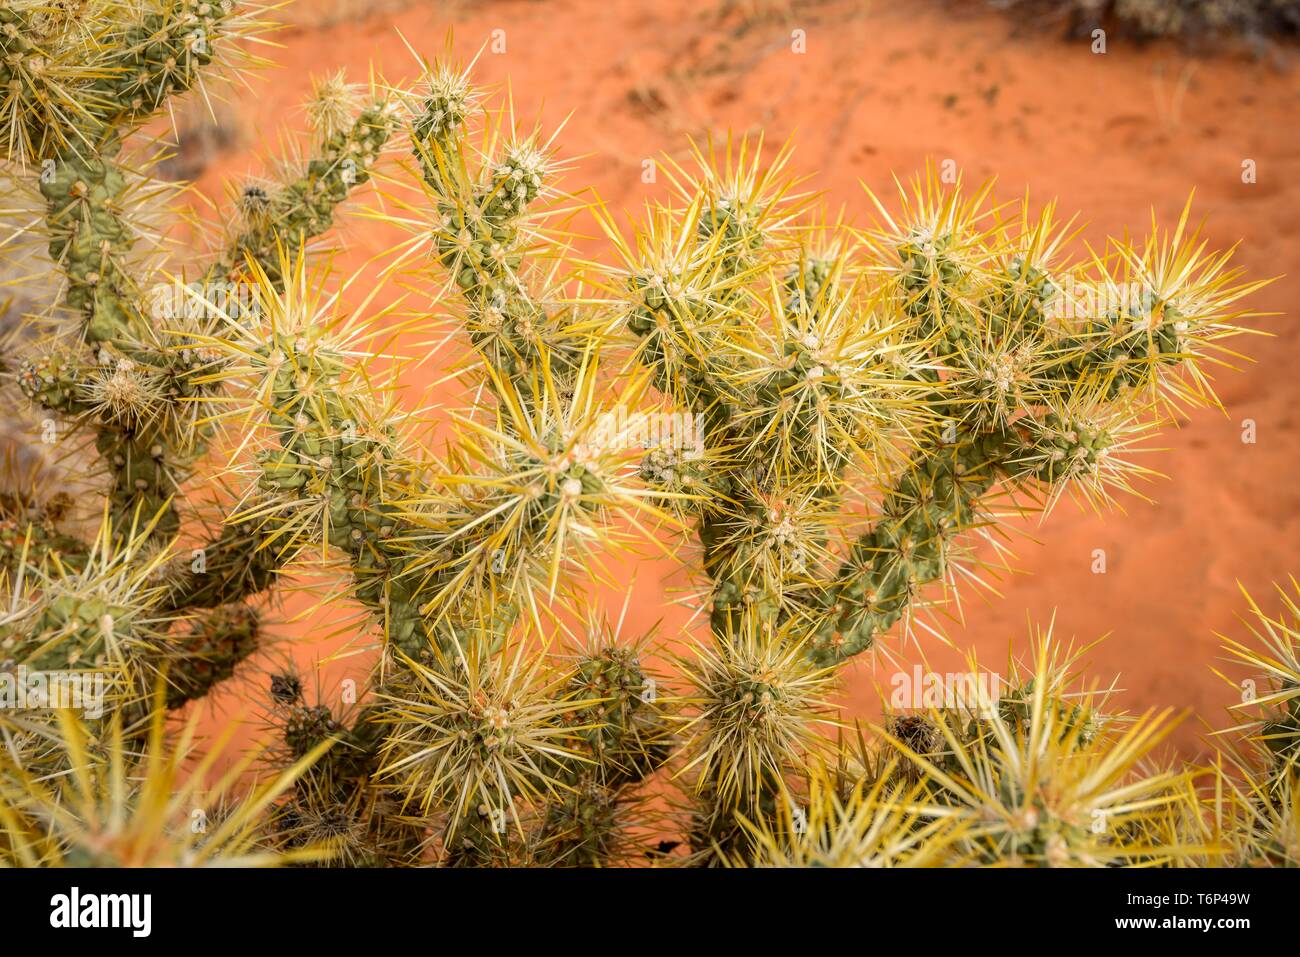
[[880, 89]]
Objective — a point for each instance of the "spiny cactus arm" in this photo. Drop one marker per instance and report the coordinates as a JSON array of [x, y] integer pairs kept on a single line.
[[677, 291], [194, 376], [214, 645], [685, 279], [44, 70], [145, 395], [161, 55], [1154, 321], [701, 257], [146, 63], [1269, 715], [329, 478], [827, 383], [937, 495], [477, 734], [1254, 792], [146, 398], [768, 343], [88, 198], [296, 212], [96, 614], [240, 562], [941, 495], [1134, 347], [765, 471], [933, 501], [338, 479], [625, 734], [823, 380], [483, 228], [752, 717], [628, 737], [1062, 416], [128, 395], [431, 545], [146, 442], [679, 286], [58, 382], [336, 804], [945, 493], [163, 386], [522, 495], [90, 239], [35, 527]]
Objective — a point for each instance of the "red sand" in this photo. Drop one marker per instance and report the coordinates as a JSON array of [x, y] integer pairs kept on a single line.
[[878, 92]]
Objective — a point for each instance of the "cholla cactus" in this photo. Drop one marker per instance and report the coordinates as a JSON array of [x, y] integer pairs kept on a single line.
[[1256, 794], [848, 411]]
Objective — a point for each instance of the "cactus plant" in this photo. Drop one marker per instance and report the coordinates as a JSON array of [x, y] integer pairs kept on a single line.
[[840, 416], [1254, 20]]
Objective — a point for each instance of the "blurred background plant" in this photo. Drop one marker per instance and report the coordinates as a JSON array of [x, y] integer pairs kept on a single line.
[[835, 415], [1255, 21]]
